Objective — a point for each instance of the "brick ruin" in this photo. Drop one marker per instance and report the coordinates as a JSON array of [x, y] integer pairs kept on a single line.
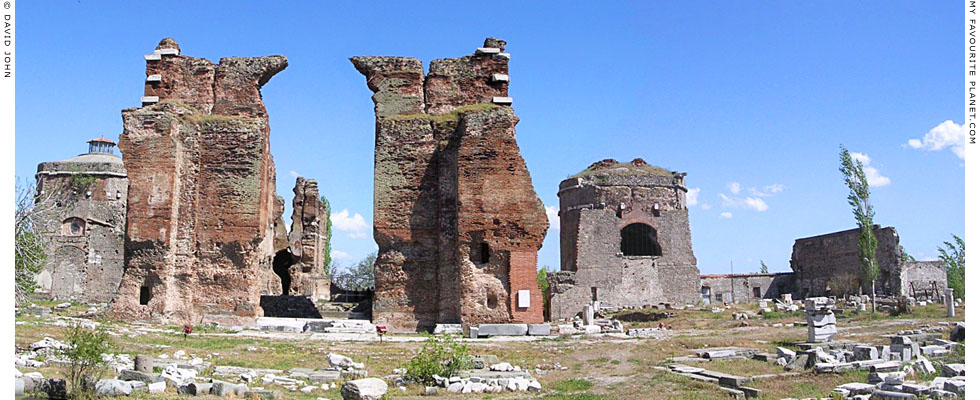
[[828, 265], [456, 219], [299, 265], [202, 201], [82, 203], [625, 239], [720, 288]]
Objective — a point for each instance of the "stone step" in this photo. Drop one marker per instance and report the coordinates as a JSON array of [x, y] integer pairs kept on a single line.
[[501, 78], [487, 50], [152, 57], [149, 99], [167, 52], [154, 78]]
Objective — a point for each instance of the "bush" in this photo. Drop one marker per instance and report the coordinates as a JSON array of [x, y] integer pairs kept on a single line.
[[83, 357], [442, 355]]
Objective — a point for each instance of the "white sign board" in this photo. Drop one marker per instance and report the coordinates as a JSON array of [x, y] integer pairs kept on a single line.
[[523, 298]]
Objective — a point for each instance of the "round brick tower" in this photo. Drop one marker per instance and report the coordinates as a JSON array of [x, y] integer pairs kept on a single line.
[[625, 239]]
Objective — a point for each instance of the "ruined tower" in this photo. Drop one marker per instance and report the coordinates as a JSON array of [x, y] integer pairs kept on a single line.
[[625, 239], [456, 219], [299, 265], [202, 204], [82, 203]]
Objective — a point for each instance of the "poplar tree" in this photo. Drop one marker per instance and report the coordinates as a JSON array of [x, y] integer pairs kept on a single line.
[[859, 199]]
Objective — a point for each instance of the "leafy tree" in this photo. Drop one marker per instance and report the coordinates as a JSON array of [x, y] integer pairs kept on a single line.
[[29, 248], [326, 247], [763, 268], [954, 257], [359, 276], [543, 279], [83, 356], [858, 198], [907, 257]]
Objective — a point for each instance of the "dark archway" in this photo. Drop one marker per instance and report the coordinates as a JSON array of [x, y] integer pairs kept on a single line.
[[639, 239], [280, 265]]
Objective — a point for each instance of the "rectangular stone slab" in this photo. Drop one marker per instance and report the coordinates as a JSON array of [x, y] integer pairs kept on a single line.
[[539, 329], [503, 329]]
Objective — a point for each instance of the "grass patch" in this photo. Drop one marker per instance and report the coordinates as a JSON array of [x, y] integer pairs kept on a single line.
[[575, 396], [570, 385]]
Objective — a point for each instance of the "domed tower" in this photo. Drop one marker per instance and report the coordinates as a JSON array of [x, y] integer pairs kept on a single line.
[[625, 239], [82, 203]]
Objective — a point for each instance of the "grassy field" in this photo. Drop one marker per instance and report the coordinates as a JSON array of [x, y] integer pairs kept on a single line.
[[587, 368]]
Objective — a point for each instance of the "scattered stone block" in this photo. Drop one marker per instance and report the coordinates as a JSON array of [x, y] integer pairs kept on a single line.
[[885, 394], [503, 329], [539, 329], [222, 389], [112, 387], [157, 387], [950, 370], [322, 376], [448, 328], [364, 389]]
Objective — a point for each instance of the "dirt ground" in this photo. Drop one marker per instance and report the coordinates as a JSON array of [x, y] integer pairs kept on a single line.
[[576, 367]]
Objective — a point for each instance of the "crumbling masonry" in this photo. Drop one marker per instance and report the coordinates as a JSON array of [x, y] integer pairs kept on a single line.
[[82, 210], [456, 219], [202, 202], [625, 240]]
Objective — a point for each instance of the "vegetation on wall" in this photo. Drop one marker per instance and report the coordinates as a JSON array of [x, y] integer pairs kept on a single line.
[[954, 259], [29, 249], [326, 246]]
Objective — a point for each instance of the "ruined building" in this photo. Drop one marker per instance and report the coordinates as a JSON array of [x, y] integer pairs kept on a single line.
[[82, 209], [299, 264], [625, 239], [202, 202], [829, 265], [720, 288], [457, 222]]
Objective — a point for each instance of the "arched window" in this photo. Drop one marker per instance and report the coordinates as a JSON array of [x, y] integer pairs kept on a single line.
[[73, 226], [639, 240]]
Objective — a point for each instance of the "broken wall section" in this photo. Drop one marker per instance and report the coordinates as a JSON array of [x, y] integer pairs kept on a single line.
[[457, 222], [201, 220]]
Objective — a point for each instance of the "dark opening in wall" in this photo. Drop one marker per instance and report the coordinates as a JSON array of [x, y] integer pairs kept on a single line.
[[280, 265], [484, 253], [756, 292], [639, 240], [595, 294], [491, 300], [144, 295]]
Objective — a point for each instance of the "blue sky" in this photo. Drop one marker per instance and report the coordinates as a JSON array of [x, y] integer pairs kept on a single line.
[[755, 93]]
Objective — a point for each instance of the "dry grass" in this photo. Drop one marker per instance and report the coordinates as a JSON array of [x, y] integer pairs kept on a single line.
[[592, 368]]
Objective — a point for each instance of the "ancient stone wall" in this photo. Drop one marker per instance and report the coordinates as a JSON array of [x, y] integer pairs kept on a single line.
[[456, 219], [831, 262], [716, 289], [202, 203], [923, 275], [307, 241], [85, 264], [596, 208]]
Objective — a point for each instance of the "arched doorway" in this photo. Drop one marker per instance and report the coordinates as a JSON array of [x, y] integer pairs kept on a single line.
[[638, 239], [280, 265]]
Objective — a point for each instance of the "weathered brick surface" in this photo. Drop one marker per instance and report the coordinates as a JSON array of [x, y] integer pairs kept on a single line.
[[719, 288], [449, 178], [830, 261], [594, 207], [86, 267], [307, 241], [201, 225]]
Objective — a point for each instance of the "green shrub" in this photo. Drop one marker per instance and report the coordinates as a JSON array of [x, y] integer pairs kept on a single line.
[[442, 355], [83, 357]]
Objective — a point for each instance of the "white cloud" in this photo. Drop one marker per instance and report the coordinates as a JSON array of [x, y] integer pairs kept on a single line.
[[726, 215], [553, 219], [706, 206], [874, 177], [947, 134], [354, 225], [735, 187], [756, 203], [294, 174], [752, 203], [339, 255], [767, 191], [692, 196]]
